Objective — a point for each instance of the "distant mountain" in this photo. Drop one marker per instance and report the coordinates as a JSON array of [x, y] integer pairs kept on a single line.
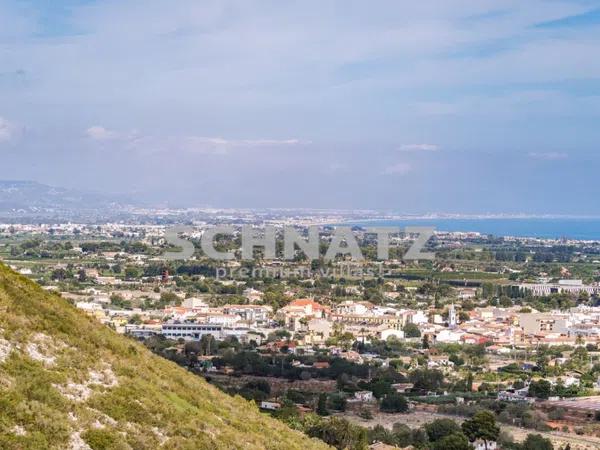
[[69, 382], [33, 197]]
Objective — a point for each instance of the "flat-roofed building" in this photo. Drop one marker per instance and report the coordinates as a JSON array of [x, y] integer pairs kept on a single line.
[[195, 331], [535, 323]]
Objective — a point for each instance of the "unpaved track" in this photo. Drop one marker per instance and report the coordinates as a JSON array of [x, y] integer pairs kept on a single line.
[[417, 418]]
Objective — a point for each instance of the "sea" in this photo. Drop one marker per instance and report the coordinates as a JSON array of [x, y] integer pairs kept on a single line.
[[587, 229]]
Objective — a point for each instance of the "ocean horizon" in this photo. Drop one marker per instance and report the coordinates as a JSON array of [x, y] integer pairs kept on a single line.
[[584, 229]]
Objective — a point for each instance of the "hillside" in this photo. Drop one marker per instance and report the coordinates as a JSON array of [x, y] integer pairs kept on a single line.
[[32, 197], [67, 381]]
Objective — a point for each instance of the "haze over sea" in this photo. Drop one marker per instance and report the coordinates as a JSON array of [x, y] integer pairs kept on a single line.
[[546, 228]]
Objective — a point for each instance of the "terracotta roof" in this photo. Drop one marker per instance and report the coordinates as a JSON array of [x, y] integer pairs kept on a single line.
[[306, 302]]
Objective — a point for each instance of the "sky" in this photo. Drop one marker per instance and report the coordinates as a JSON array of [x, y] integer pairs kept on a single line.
[[463, 106]]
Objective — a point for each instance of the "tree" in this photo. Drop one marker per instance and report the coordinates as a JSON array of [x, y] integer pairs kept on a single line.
[[540, 389], [192, 347], [136, 319], [380, 388], [168, 298], [537, 442], [59, 274], [339, 433], [481, 426], [403, 435], [426, 379], [454, 441], [131, 272], [580, 357], [441, 428], [394, 403], [381, 434], [208, 344], [469, 382], [411, 331], [505, 439], [419, 438], [338, 402], [258, 390], [322, 405]]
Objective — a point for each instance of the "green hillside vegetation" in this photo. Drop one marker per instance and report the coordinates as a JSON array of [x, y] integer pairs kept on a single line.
[[67, 381]]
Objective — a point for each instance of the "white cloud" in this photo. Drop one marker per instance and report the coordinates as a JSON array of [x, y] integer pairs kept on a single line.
[[99, 133], [133, 140], [211, 145], [398, 169], [549, 156], [230, 143], [419, 148], [8, 130]]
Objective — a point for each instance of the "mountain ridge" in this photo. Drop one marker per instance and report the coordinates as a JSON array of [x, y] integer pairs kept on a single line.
[[31, 196]]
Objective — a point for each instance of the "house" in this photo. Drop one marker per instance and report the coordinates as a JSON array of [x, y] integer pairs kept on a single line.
[[270, 406], [448, 336], [251, 313], [565, 381], [516, 396], [301, 310], [253, 295], [467, 293], [363, 396], [436, 361], [318, 331], [350, 355], [89, 306], [480, 444], [195, 304], [419, 317], [401, 388], [353, 308], [390, 332]]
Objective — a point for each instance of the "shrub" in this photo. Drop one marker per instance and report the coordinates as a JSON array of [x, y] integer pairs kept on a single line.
[[394, 403]]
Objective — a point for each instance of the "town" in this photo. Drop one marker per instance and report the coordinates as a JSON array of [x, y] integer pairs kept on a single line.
[[396, 348]]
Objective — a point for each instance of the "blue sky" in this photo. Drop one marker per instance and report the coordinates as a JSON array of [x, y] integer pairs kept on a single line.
[[466, 106]]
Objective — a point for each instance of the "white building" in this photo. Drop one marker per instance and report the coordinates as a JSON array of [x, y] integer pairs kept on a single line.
[[480, 444], [363, 396], [448, 336], [350, 307], [195, 331], [195, 304], [568, 286], [419, 317], [250, 313], [389, 332]]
